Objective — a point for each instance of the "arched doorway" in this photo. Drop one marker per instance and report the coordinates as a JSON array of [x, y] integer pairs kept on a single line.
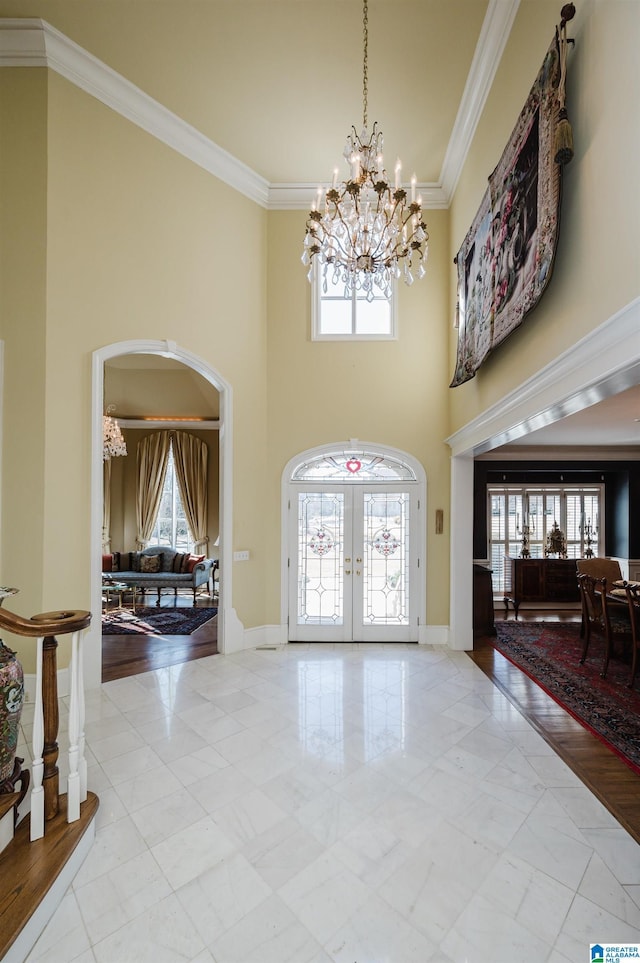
[[228, 624], [354, 559]]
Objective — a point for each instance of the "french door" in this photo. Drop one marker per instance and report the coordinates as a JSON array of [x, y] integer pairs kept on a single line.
[[353, 563]]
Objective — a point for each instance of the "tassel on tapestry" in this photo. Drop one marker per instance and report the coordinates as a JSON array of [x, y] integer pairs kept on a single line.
[[564, 135]]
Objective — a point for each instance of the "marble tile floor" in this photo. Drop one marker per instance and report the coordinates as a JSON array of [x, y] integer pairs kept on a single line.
[[347, 803]]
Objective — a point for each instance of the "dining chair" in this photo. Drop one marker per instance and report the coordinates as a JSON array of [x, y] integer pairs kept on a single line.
[[632, 590], [592, 591], [604, 614], [598, 567]]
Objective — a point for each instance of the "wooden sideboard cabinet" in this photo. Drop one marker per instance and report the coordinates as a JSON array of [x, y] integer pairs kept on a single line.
[[539, 580]]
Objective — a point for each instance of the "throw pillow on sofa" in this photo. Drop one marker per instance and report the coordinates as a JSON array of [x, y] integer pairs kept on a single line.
[[151, 564], [124, 562], [193, 561], [180, 559]]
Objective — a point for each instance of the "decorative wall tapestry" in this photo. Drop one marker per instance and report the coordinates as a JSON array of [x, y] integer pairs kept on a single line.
[[506, 259]]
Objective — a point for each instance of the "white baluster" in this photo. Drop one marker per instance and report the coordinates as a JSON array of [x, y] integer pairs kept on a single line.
[[73, 782], [37, 767], [82, 762]]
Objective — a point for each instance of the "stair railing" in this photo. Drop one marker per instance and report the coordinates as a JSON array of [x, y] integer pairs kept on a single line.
[[45, 796]]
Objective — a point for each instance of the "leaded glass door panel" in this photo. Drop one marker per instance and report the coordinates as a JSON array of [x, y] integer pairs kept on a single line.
[[353, 567], [319, 567]]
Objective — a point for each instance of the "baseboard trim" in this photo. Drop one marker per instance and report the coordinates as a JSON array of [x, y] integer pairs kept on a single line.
[[267, 635], [433, 635]]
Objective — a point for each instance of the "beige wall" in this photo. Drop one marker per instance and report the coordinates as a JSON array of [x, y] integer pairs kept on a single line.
[[140, 244], [597, 267], [143, 244], [392, 393], [23, 265]]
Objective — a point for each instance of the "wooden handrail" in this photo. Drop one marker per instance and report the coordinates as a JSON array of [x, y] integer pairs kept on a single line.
[[61, 622]]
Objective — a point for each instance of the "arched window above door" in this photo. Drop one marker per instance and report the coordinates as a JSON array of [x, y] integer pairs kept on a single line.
[[353, 465]]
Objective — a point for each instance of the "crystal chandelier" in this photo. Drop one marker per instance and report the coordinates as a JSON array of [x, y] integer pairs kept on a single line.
[[364, 232], [113, 443]]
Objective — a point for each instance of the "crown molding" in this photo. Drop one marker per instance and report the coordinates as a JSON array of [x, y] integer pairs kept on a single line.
[[35, 43], [31, 42], [298, 197], [493, 38]]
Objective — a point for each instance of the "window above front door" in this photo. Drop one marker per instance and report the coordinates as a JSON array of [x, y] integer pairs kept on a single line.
[[351, 317]]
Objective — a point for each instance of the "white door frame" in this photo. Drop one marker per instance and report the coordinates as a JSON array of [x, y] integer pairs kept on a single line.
[[285, 535], [228, 624]]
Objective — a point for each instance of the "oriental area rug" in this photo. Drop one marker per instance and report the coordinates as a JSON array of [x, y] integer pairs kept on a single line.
[[549, 653], [155, 621]]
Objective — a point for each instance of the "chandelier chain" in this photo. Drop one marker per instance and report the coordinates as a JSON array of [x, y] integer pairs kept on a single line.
[[365, 61]]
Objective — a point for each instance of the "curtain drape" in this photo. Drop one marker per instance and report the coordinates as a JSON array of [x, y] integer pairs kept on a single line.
[[106, 507], [152, 457], [190, 456]]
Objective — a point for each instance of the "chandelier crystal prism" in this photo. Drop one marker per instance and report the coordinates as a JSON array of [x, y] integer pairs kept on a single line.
[[113, 443], [364, 232]]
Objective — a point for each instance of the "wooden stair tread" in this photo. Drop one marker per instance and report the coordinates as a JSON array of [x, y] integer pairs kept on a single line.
[[7, 802], [29, 869]]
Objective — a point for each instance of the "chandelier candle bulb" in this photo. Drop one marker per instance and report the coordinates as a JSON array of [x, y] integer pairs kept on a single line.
[[398, 169], [413, 189]]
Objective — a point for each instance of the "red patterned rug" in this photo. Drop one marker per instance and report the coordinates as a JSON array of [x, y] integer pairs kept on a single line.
[[549, 653], [155, 621]]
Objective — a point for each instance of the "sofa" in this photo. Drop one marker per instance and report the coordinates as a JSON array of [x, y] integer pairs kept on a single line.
[[158, 567]]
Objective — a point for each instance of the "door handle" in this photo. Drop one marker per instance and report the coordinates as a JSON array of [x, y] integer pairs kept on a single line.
[[347, 571], [358, 561], [358, 571], [347, 560]]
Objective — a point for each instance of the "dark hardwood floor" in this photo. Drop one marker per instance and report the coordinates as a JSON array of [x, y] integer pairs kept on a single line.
[[604, 773], [127, 655]]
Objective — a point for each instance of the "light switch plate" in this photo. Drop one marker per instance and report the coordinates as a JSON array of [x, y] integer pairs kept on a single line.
[[241, 556]]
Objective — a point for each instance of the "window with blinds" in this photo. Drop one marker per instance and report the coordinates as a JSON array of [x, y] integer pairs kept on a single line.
[[516, 511]]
